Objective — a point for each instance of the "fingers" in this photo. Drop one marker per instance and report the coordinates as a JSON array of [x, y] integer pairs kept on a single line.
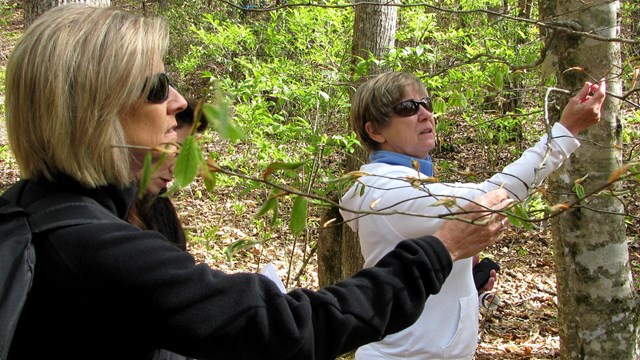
[[583, 110], [488, 205], [600, 91], [582, 94], [467, 238], [491, 199], [491, 282], [594, 92]]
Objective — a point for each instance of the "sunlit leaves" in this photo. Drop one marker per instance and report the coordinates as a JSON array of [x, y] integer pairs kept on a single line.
[[439, 105], [218, 117], [518, 216]]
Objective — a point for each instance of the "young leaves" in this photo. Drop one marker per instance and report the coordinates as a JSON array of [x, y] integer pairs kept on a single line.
[[218, 117], [298, 220], [188, 162]]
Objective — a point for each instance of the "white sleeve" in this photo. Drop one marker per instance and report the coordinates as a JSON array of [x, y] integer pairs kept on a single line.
[[534, 165], [416, 207]]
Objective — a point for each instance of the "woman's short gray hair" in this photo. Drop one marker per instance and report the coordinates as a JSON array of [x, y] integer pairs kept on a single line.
[[374, 101]]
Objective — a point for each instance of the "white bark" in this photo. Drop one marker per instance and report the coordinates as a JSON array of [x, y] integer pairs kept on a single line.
[[596, 300]]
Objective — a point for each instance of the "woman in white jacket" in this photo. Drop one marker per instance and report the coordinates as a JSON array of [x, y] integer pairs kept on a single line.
[[393, 117]]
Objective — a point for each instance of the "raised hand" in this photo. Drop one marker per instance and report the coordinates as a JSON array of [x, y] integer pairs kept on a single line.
[[583, 110]]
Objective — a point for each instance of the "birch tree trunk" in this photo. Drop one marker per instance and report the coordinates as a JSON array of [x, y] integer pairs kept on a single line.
[[596, 299], [35, 8]]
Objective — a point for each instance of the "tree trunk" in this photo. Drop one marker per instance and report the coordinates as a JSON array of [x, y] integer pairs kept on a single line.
[[374, 32], [35, 8], [597, 310], [330, 248]]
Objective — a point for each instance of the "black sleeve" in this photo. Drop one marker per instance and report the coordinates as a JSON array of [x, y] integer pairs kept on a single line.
[[305, 324], [151, 294], [376, 301]]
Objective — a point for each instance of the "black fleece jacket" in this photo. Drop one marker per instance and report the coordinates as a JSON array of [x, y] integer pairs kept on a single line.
[[113, 291]]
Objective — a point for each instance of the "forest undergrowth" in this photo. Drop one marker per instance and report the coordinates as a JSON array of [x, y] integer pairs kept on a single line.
[[524, 326]]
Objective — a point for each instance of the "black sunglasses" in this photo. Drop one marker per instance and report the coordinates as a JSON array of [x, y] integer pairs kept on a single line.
[[411, 107], [159, 91]]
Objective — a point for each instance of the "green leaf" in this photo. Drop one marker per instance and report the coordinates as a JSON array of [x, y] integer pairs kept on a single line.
[[146, 174], [187, 162], [579, 190], [521, 213], [498, 80], [267, 206], [298, 215], [271, 204], [458, 99], [279, 165], [237, 246], [439, 106], [276, 213], [210, 178], [219, 120]]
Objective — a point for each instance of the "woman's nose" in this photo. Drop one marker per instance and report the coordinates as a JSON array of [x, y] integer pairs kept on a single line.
[[424, 114], [177, 102]]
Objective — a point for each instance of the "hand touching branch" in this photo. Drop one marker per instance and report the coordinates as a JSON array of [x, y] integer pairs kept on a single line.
[[467, 238], [583, 110]]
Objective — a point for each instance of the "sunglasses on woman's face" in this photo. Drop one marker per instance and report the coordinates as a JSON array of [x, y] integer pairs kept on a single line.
[[411, 107], [159, 91]]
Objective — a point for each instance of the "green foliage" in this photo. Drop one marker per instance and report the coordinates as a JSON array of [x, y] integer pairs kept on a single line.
[[7, 10], [283, 78], [298, 215], [630, 133], [6, 155]]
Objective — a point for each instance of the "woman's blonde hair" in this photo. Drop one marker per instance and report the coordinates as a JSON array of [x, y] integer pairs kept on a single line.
[[75, 70], [374, 101]]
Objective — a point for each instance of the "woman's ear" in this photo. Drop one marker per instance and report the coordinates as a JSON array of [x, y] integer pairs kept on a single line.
[[373, 132]]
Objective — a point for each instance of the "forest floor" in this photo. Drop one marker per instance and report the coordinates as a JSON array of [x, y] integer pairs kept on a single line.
[[524, 326]]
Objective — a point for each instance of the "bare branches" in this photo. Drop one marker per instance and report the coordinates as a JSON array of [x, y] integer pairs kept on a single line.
[[552, 25]]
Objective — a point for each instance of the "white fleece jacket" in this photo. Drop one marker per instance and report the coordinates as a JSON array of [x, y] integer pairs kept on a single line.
[[448, 326]]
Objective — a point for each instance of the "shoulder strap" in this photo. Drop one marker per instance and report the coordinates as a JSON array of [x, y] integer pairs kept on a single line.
[[17, 255], [67, 209], [17, 261], [56, 210]]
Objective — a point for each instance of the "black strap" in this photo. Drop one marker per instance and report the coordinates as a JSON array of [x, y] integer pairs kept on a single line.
[[59, 210], [67, 209]]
